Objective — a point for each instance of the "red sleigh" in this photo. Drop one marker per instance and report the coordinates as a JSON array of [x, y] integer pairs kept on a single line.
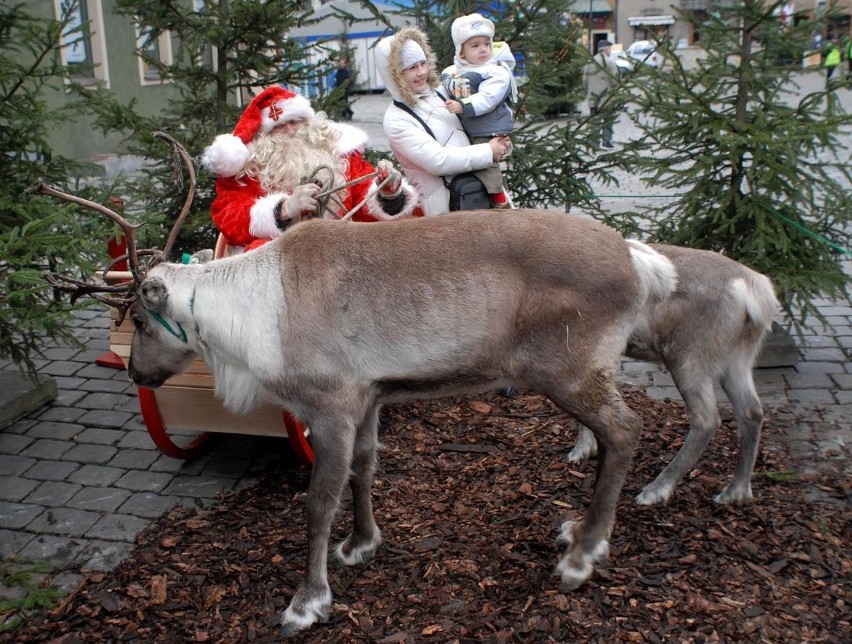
[[186, 404]]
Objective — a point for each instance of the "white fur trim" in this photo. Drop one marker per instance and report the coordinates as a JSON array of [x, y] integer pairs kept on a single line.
[[291, 109], [262, 223], [351, 139], [374, 205], [226, 156]]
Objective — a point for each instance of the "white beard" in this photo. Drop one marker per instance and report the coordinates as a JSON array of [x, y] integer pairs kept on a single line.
[[280, 162]]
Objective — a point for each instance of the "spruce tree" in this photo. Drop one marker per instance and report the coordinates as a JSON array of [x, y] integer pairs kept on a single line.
[[758, 170], [37, 234]]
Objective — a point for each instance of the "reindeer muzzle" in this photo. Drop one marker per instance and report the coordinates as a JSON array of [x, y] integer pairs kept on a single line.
[[152, 382]]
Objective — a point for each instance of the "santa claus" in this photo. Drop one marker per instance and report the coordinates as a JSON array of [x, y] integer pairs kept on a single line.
[[279, 141]]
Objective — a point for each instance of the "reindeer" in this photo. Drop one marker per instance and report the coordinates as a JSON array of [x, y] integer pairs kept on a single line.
[[708, 332], [333, 319]]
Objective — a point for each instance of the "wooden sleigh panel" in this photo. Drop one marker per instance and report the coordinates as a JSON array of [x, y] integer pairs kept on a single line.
[[186, 400]]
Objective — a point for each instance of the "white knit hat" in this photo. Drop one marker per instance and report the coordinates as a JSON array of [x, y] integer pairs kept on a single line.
[[468, 27], [411, 54]]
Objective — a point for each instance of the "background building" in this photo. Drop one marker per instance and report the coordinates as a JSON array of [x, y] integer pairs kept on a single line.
[[330, 33], [106, 54], [625, 21]]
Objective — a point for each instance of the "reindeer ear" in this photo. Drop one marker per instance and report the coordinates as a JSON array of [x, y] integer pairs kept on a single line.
[[154, 294]]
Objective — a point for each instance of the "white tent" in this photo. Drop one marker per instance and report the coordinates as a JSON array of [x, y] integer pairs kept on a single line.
[[361, 35]]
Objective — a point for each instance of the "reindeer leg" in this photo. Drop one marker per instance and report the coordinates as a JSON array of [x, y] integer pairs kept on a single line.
[[700, 399], [738, 385], [332, 436], [585, 448], [616, 429], [361, 544]]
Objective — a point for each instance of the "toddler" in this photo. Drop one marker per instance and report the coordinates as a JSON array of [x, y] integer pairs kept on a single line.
[[481, 89]]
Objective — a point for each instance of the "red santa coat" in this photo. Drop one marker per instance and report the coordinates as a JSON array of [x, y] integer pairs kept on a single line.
[[242, 211]]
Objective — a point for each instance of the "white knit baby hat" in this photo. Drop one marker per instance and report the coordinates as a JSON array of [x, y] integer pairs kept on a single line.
[[466, 27]]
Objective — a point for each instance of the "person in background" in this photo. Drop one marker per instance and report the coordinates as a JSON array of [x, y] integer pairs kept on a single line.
[[600, 78], [482, 90], [816, 42], [277, 142], [848, 49], [343, 78], [831, 61], [406, 65]]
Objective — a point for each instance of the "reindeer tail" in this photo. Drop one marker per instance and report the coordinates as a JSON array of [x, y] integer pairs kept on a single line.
[[757, 296], [657, 274]]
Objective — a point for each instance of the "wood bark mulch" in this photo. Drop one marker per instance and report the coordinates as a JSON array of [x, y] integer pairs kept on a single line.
[[470, 494]]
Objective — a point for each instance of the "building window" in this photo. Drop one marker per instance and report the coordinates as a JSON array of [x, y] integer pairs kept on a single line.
[[152, 48], [205, 57], [76, 37], [83, 47]]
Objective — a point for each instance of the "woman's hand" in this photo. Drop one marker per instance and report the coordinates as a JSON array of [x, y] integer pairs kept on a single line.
[[500, 147], [454, 107]]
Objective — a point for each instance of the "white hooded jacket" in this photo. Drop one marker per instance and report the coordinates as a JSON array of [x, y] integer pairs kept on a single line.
[[425, 160]]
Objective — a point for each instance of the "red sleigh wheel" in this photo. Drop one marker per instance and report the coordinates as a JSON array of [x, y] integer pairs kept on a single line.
[[298, 439], [157, 429]]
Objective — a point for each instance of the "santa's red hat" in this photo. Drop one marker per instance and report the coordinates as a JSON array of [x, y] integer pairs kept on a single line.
[[227, 155]]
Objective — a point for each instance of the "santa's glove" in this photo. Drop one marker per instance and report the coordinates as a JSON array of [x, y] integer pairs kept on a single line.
[[386, 170], [303, 201]]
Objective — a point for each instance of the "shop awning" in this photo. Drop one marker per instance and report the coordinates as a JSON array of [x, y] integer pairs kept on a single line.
[[651, 20], [581, 7]]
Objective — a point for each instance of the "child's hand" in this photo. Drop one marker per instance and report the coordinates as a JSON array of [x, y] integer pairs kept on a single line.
[[454, 107]]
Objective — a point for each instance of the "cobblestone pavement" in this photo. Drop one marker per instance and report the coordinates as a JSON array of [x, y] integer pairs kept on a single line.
[[80, 477]]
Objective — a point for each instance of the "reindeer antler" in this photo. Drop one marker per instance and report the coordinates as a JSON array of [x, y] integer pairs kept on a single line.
[[179, 151], [79, 288], [127, 228], [121, 296]]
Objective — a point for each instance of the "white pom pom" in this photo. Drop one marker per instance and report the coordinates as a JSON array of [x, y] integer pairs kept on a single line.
[[226, 156]]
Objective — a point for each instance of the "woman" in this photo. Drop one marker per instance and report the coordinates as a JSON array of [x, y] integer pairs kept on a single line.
[[407, 66]]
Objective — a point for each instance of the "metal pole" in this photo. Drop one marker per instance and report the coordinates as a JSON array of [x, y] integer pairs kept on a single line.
[[589, 18], [615, 24]]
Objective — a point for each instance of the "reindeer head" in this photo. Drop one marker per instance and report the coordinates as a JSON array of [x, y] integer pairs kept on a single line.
[[160, 346], [153, 349]]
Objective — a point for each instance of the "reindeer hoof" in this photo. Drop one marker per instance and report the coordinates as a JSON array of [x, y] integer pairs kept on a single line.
[[579, 455], [575, 569], [731, 495], [652, 495], [570, 583], [298, 618], [350, 553], [572, 577]]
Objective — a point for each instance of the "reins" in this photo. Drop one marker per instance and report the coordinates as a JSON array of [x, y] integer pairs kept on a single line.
[[328, 192]]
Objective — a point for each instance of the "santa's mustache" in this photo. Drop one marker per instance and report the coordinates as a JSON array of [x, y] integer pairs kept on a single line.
[[280, 163]]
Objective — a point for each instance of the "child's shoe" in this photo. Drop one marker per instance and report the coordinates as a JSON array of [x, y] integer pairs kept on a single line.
[[500, 200]]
